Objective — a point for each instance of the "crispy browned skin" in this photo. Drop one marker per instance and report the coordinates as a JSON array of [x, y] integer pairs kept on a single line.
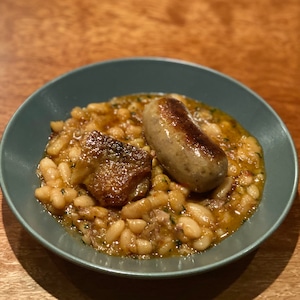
[[112, 171], [188, 155]]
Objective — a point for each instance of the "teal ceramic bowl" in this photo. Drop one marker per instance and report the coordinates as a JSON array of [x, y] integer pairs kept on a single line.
[[25, 137]]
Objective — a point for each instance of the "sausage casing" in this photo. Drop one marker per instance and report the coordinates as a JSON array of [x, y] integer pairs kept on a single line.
[[188, 155]]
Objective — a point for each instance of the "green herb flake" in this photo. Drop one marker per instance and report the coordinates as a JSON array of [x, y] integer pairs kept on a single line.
[[172, 220], [183, 209], [178, 243]]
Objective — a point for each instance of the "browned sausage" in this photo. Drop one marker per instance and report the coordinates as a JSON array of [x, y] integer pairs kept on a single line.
[[187, 154]]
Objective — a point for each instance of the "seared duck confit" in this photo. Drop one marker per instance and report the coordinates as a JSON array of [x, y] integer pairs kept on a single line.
[[112, 171]]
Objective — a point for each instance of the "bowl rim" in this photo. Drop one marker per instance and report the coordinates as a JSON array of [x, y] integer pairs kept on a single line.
[[137, 274]]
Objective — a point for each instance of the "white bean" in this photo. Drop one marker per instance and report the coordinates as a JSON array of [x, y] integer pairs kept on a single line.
[[100, 223], [166, 247], [246, 203], [161, 182], [55, 183], [202, 215], [204, 241], [136, 210], [101, 108], [57, 144], [43, 193], [211, 129], [92, 212], [74, 153], [57, 199], [177, 200], [133, 130], [69, 194], [178, 187], [143, 246], [123, 114], [136, 225], [253, 191], [190, 228], [57, 126], [84, 201], [46, 163], [116, 132], [134, 107], [65, 171], [51, 174], [127, 241], [158, 199], [246, 179], [114, 231], [99, 211]]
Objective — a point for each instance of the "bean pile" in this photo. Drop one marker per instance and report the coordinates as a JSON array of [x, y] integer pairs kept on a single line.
[[170, 219]]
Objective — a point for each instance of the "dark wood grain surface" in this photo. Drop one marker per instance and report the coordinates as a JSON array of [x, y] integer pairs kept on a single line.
[[256, 42]]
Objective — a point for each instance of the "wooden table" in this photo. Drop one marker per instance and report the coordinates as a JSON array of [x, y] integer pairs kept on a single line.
[[257, 42]]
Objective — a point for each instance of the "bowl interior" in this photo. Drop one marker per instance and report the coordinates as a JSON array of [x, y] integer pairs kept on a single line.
[[26, 135]]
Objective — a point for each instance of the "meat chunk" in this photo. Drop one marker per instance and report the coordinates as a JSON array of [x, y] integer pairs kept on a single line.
[[112, 171]]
